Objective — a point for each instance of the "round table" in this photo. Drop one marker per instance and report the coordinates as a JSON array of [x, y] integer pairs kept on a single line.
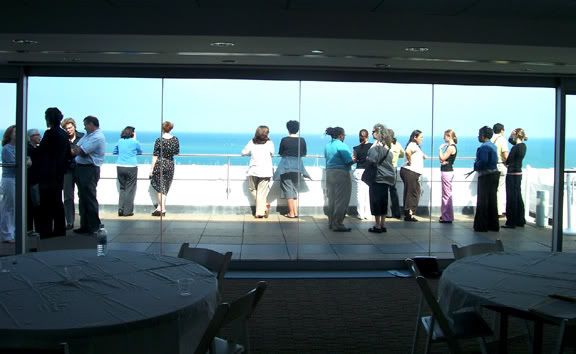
[[518, 282], [124, 302]]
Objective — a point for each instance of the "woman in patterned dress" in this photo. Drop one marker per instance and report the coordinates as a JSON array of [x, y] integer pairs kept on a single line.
[[165, 148]]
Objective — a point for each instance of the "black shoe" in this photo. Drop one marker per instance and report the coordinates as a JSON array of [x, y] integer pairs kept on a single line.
[[81, 231], [375, 230], [444, 222], [508, 227], [130, 214], [158, 213], [120, 212], [410, 218], [341, 229]]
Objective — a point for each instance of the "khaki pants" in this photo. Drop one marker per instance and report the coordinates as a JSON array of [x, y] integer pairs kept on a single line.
[[338, 187], [259, 188]]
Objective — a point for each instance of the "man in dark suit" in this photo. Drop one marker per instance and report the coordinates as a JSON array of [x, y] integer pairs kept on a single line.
[[54, 152]]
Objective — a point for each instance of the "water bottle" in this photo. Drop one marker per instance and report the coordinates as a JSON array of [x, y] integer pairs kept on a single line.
[[102, 238]]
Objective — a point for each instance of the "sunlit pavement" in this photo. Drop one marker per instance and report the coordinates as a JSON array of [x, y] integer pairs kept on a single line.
[[308, 237]]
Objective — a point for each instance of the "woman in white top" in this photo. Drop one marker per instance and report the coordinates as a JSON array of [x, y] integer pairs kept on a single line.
[[410, 174], [260, 149]]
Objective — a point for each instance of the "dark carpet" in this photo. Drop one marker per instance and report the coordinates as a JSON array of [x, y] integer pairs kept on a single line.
[[345, 316]]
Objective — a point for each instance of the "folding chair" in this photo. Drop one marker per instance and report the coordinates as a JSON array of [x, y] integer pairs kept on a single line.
[[464, 324], [214, 261], [427, 267], [237, 314]]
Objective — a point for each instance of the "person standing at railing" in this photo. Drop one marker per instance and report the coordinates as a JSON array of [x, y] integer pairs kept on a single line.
[[486, 216], [34, 175], [290, 169], [127, 170], [8, 201], [381, 156], [162, 171], [410, 174], [397, 152], [260, 149], [359, 154], [502, 152], [514, 203], [89, 152], [54, 151], [447, 155], [69, 124], [338, 182]]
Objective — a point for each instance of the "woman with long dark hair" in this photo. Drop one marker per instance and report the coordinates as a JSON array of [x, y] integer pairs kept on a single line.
[[338, 180], [514, 203], [410, 174], [447, 155], [127, 170], [260, 149]]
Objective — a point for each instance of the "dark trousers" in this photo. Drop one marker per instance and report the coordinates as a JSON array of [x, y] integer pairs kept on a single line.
[[51, 220], [514, 202], [486, 217], [379, 198], [69, 209], [32, 211], [87, 177], [394, 202], [411, 189], [127, 178]]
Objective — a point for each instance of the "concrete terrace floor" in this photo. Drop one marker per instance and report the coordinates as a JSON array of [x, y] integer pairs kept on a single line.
[[306, 238]]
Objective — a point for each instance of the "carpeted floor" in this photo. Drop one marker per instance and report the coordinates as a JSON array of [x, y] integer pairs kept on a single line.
[[344, 316]]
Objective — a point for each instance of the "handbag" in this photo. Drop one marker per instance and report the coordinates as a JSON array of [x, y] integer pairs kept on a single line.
[[369, 174]]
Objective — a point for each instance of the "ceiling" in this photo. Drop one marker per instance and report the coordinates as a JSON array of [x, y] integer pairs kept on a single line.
[[501, 36]]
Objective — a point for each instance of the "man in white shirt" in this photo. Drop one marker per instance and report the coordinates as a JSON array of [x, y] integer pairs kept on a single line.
[[89, 152], [499, 140]]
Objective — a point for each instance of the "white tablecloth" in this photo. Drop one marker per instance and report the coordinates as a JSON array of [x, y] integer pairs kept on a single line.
[[125, 302], [518, 280]]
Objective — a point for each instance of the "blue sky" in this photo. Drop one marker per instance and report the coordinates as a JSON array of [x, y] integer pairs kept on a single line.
[[239, 106]]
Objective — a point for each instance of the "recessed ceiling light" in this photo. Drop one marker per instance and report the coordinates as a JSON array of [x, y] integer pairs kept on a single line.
[[72, 59], [382, 66], [229, 61], [222, 44], [501, 61], [317, 51], [526, 69], [417, 49], [24, 41]]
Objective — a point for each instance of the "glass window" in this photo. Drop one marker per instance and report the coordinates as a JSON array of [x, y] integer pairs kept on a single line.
[[7, 183]]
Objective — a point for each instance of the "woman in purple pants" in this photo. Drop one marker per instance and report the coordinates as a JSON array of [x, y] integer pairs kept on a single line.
[[447, 154]]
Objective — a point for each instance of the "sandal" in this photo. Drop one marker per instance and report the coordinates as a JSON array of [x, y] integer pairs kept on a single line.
[[375, 230], [291, 217]]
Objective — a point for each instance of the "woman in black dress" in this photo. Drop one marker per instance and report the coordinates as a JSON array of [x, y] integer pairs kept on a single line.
[[165, 148], [514, 203]]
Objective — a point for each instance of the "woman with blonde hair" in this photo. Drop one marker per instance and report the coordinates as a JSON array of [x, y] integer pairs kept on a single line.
[[447, 155], [260, 149], [514, 203], [162, 173]]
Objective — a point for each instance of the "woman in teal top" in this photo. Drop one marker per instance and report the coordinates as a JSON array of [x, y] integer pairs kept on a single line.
[[338, 181], [127, 170]]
